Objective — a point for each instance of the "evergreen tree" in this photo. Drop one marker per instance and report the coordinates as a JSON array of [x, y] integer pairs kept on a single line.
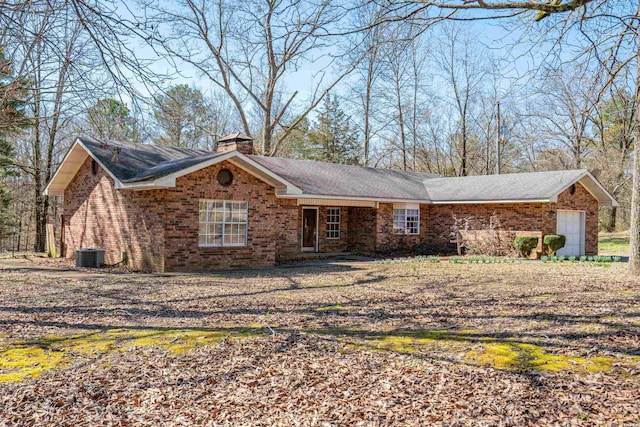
[[111, 119], [181, 115], [332, 137], [12, 119]]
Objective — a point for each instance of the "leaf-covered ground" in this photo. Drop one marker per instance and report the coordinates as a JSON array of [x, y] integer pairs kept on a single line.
[[410, 343]]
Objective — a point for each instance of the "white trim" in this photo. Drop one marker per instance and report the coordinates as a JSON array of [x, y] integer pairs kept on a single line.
[[291, 188], [78, 141], [355, 198], [55, 175], [466, 202], [405, 207], [614, 202], [326, 210], [302, 246], [224, 207]]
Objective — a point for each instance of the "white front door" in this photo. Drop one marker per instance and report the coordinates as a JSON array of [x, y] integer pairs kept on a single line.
[[571, 224]]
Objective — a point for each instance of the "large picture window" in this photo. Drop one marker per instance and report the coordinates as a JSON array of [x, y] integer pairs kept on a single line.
[[333, 223], [406, 218], [223, 223]]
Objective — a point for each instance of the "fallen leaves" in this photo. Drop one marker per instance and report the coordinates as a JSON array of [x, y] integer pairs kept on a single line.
[[362, 344]]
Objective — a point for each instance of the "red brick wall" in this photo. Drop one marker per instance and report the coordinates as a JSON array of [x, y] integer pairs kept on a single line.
[[159, 228], [267, 223], [96, 215], [362, 230], [516, 216], [289, 224], [584, 201], [386, 241], [327, 245]]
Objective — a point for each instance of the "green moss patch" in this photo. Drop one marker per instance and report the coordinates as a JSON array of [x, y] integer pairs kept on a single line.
[[335, 307], [517, 356], [30, 359]]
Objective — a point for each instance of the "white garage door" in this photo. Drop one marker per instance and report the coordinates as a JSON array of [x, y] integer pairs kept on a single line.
[[571, 224]]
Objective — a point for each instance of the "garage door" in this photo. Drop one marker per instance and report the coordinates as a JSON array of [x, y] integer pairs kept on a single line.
[[571, 224]]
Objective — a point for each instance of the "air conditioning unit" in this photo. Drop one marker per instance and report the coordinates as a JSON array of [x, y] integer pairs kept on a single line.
[[89, 257]]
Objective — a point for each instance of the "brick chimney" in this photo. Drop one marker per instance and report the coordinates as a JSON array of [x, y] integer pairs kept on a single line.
[[236, 141]]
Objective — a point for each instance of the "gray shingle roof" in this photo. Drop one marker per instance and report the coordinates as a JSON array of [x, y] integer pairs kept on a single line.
[[330, 179], [142, 162], [139, 162], [515, 186]]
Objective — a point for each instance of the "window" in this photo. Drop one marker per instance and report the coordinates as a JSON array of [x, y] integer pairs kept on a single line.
[[406, 218], [223, 223], [333, 223]]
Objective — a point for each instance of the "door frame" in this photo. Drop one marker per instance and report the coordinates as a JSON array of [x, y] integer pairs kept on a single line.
[[583, 227], [315, 245]]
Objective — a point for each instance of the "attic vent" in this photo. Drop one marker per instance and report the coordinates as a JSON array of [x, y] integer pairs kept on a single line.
[[225, 177], [572, 190], [94, 167]]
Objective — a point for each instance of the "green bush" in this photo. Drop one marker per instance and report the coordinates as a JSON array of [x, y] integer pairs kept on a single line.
[[525, 244], [554, 242]]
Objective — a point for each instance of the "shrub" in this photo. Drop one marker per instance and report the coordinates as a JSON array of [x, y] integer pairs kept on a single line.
[[525, 244], [583, 258], [572, 259], [554, 242], [544, 258]]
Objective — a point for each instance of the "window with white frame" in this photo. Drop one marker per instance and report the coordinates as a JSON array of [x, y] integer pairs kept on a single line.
[[333, 223], [406, 218], [223, 223]]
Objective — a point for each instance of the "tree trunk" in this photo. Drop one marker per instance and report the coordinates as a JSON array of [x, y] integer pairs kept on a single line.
[[634, 238], [611, 221]]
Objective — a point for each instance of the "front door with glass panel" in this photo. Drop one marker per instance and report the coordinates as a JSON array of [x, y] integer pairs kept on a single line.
[[309, 229]]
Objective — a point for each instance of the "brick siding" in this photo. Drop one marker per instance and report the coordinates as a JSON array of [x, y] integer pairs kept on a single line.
[[159, 228], [387, 241], [516, 216], [265, 230], [362, 230], [96, 215]]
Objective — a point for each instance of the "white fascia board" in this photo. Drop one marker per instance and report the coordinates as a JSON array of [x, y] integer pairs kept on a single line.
[[586, 174], [77, 143], [468, 202], [169, 181], [291, 188], [613, 201], [554, 198], [356, 198], [147, 185], [46, 191]]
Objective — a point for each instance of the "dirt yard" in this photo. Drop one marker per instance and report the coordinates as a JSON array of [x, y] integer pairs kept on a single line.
[[413, 343]]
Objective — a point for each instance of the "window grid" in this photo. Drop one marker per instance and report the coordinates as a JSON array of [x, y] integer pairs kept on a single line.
[[406, 221], [223, 223], [333, 223]]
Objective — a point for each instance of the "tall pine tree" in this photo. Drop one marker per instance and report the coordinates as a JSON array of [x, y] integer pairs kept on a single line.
[[12, 119], [333, 137]]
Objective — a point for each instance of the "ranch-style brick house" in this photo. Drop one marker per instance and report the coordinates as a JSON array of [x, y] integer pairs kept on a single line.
[[176, 209]]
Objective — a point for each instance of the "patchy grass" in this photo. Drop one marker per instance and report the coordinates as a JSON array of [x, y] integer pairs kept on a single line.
[[526, 357], [614, 244], [23, 360], [406, 343]]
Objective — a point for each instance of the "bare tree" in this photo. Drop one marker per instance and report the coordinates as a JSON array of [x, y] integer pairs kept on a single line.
[[463, 71], [249, 50], [606, 26]]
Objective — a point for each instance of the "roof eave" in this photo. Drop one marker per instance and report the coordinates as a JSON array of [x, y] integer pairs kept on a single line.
[[476, 201], [73, 167], [234, 157]]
